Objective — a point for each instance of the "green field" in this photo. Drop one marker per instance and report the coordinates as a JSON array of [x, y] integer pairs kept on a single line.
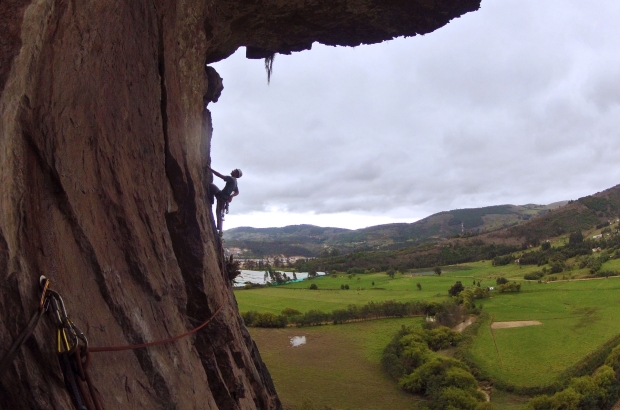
[[338, 367], [329, 296], [578, 316]]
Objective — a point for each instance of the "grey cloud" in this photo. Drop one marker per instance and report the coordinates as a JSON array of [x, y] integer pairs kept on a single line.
[[515, 103]]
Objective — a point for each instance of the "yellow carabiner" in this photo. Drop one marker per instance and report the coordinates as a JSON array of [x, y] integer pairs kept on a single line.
[[58, 337]]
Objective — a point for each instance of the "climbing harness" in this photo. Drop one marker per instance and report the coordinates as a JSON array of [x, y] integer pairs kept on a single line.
[[72, 348]]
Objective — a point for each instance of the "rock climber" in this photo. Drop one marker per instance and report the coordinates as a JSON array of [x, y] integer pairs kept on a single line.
[[223, 196]]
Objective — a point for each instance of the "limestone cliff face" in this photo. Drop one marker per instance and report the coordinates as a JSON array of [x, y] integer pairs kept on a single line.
[[104, 135]]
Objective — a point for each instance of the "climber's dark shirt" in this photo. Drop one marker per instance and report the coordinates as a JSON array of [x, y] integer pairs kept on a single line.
[[231, 186]]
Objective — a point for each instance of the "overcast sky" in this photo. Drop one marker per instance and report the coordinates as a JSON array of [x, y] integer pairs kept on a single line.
[[516, 103]]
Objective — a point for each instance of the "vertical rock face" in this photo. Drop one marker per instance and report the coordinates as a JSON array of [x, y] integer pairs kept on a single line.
[[104, 138]]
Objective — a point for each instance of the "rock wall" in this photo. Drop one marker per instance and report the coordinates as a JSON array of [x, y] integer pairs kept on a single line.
[[104, 138]]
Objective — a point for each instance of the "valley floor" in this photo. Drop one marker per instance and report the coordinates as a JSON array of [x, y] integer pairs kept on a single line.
[[339, 366]]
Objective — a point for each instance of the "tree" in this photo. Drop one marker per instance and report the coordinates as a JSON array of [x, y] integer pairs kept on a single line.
[[277, 262], [575, 238], [545, 246], [437, 270], [501, 281], [390, 273], [456, 289], [419, 286]]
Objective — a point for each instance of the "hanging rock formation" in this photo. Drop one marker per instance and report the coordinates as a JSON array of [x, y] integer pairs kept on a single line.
[[104, 134]]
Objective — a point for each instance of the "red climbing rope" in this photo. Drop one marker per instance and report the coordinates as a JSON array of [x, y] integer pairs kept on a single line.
[[156, 343]]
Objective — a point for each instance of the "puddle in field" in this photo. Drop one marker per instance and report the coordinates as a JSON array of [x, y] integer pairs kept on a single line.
[[298, 341]]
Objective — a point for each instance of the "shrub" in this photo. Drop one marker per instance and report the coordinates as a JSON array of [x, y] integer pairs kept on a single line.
[[613, 361], [255, 319], [556, 267], [502, 260], [533, 275], [288, 312], [595, 265], [575, 238], [509, 287], [442, 337], [456, 289], [446, 314], [501, 281], [606, 273], [481, 293], [313, 317], [454, 398], [314, 286]]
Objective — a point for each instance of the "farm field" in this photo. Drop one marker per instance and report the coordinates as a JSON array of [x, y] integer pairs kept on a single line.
[[403, 287], [338, 367], [577, 317], [329, 296]]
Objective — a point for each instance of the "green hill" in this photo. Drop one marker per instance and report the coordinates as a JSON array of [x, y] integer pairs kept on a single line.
[[589, 213], [583, 214], [309, 240], [456, 236]]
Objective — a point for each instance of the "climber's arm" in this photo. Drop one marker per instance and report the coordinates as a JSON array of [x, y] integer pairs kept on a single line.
[[215, 172]]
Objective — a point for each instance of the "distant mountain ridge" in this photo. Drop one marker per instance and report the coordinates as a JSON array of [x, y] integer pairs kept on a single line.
[[591, 215], [310, 240]]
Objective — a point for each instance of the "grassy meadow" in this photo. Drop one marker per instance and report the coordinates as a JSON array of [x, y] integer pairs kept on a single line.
[[339, 366], [577, 317]]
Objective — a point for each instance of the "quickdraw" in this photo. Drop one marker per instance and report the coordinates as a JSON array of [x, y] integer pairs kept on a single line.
[[73, 355]]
